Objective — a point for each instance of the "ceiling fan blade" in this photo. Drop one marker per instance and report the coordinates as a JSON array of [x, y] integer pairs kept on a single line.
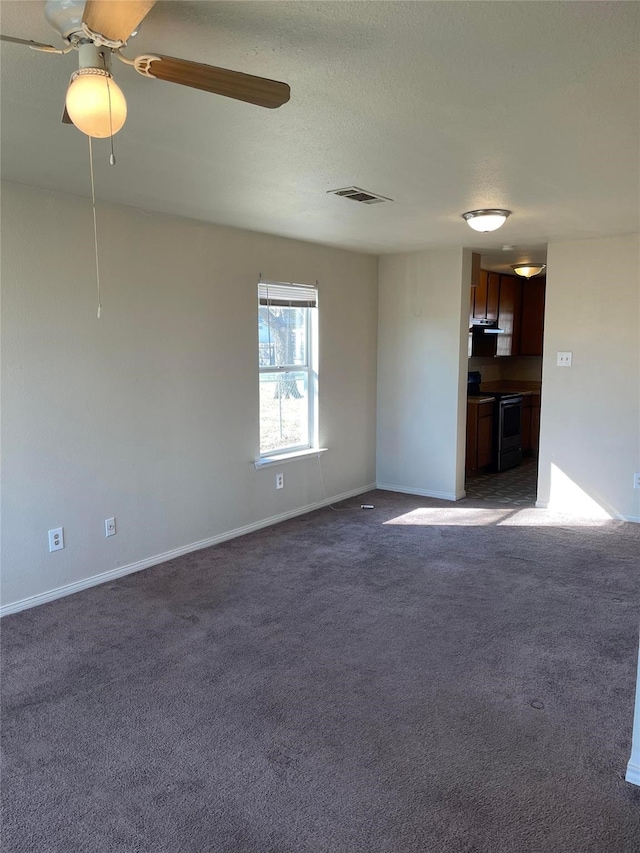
[[28, 42], [220, 81], [115, 19], [66, 118]]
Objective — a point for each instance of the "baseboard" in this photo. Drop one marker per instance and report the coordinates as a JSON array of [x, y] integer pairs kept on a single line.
[[147, 563], [635, 519], [423, 493], [633, 773]]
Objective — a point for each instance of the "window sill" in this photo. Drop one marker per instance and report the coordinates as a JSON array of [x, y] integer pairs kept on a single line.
[[278, 458]]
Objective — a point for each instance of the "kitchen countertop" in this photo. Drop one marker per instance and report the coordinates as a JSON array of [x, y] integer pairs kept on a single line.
[[476, 399], [528, 388], [523, 392]]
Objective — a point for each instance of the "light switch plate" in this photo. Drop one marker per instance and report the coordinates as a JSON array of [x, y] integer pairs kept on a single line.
[[564, 359]]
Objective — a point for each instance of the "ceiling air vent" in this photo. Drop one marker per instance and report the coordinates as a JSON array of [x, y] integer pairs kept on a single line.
[[356, 194]]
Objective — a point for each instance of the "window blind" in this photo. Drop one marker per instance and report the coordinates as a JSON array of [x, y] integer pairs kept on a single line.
[[282, 293]]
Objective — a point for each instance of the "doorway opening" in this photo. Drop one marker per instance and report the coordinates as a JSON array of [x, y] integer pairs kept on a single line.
[[504, 380]]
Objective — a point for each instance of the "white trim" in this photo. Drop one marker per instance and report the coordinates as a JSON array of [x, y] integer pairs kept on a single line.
[[424, 493], [633, 773], [634, 519], [274, 459], [309, 368], [113, 574]]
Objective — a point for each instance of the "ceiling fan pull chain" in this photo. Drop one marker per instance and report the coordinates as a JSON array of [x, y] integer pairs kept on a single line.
[[95, 225], [112, 156]]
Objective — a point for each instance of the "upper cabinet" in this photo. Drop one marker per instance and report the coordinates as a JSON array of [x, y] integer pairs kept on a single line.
[[509, 315], [521, 315], [486, 296], [532, 314], [518, 307]]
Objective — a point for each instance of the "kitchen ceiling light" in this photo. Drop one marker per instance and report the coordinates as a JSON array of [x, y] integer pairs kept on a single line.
[[488, 219], [528, 270], [95, 103]]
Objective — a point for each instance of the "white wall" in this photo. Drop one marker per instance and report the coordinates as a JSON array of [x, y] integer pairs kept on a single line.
[[151, 413], [633, 766], [590, 420], [422, 368]]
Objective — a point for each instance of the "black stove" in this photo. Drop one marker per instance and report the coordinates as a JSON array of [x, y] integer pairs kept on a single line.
[[507, 423], [507, 431]]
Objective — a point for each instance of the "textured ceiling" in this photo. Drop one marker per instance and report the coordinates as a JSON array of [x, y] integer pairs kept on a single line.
[[442, 106]]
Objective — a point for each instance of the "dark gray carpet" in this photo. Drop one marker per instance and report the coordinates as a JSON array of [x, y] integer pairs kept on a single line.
[[423, 676]]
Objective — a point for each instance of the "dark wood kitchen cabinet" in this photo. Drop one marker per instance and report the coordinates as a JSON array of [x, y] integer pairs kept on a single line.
[[476, 259], [486, 296], [532, 316], [530, 424], [525, 425], [509, 315], [479, 435], [517, 305], [535, 423]]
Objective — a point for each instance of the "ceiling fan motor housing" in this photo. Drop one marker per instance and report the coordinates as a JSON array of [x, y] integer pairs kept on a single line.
[[65, 16], [91, 56]]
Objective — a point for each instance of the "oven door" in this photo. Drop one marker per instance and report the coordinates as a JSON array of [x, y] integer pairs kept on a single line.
[[509, 432]]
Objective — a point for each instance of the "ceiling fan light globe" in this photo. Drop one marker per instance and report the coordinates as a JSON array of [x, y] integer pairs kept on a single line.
[[486, 220], [95, 103]]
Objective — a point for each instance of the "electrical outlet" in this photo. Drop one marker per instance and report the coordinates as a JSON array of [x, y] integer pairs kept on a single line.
[[636, 480], [56, 539], [109, 527], [564, 359], [279, 481]]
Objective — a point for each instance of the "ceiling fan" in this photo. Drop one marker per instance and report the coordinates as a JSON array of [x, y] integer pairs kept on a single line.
[[98, 30]]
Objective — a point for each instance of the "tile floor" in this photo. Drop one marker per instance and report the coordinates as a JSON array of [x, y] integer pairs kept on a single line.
[[515, 486]]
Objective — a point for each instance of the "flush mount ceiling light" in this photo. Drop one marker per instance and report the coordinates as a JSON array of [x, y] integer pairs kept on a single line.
[[528, 270], [488, 219]]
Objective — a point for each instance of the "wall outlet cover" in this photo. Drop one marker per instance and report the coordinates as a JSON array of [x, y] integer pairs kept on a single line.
[[56, 539], [564, 359]]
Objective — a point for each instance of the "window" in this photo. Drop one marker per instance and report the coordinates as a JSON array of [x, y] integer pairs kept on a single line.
[[287, 342]]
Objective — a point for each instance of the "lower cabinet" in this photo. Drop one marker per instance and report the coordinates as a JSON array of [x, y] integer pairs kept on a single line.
[[535, 423], [531, 424], [479, 436]]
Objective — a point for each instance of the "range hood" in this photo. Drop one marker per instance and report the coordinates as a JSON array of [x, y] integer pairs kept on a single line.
[[485, 327]]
